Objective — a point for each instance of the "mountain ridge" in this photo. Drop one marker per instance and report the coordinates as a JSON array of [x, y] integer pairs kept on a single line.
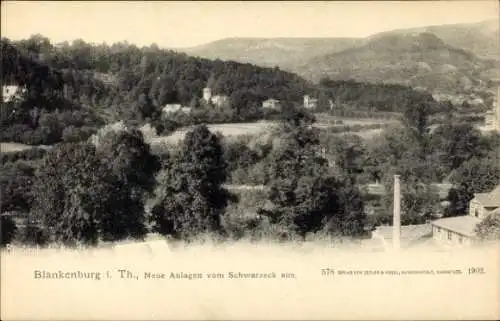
[[446, 32], [444, 58], [418, 60]]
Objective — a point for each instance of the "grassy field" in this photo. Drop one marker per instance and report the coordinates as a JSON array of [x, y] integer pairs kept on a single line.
[[13, 147], [329, 120], [254, 128], [233, 129]]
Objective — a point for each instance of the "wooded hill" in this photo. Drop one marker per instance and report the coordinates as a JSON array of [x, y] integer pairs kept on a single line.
[[73, 89]]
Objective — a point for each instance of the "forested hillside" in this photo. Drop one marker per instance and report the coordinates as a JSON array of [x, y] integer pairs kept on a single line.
[[74, 89], [43, 115], [124, 82], [165, 76]]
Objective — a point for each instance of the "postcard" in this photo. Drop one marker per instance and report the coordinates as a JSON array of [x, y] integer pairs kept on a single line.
[[241, 160]]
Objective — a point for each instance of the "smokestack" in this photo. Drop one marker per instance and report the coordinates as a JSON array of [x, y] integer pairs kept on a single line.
[[497, 111], [396, 223]]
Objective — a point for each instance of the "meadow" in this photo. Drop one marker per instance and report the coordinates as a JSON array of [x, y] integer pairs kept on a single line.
[[254, 128], [13, 147]]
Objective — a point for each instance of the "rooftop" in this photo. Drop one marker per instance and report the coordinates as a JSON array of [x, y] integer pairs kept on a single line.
[[464, 225], [410, 234], [491, 199], [495, 212]]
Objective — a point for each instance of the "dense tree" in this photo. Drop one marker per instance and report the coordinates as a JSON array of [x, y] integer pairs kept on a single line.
[[239, 155], [193, 198], [473, 176], [416, 115], [456, 143], [16, 180], [64, 181], [419, 198], [127, 158], [489, 228], [349, 94], [303, 197], [83, 194], [9, 229]]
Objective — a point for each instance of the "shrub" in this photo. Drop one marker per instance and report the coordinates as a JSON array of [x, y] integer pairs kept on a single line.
[[8, 229]]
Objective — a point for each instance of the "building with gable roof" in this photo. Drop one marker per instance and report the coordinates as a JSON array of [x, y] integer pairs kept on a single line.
[[12, 93], [310, 103], [271, 104], [461, 229], [176, 108]]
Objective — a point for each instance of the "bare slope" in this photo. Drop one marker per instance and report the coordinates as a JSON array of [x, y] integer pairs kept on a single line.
[[270, 52], [412, 59], [480, 38]]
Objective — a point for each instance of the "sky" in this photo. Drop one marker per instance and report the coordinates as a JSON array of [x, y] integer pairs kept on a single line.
[[176, 24]]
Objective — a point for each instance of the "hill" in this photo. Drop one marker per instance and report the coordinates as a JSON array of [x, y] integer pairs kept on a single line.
[[41, 112], [270, 52], [411, 59], [481, 38], [469, 47], [83, 85], [124, 82], [166, 75]]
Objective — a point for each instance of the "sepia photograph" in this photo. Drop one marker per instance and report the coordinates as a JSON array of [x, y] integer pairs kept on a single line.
[[250, 160]]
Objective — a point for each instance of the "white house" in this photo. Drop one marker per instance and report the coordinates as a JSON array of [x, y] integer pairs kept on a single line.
[[174, 108], [207, 94], [11, 93], [220, 100], [271, 104], [461, 229], [310, 103], [217, 100]]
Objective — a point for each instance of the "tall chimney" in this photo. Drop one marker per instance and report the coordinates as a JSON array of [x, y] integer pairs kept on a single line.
[[396, 219], [497, 111]]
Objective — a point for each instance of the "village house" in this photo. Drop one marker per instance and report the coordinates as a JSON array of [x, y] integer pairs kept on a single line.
[[174, 108], [217, 100], [310, 103], [207, 94], [220, 100], [450, 231], [331, 104], [461, 229], [271, 104], [11, 93]]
